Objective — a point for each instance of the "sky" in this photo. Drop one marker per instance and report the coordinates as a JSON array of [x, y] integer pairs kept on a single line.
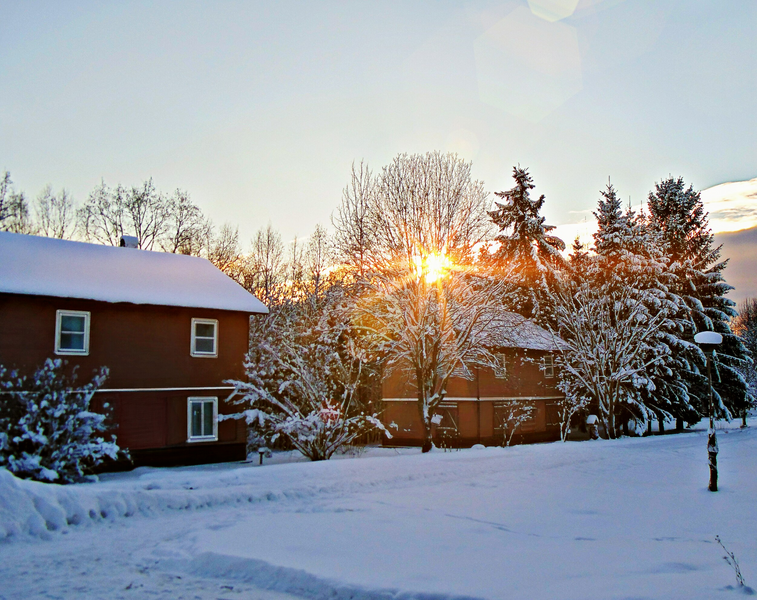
[[258, 109]]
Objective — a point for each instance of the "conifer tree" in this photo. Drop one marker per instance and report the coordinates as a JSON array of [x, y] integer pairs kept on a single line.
[[677, 213], [745, 326], [526, 246], [579, 261], [630, 254]]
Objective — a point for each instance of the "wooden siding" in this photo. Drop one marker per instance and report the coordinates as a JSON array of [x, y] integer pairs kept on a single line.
[[147, 350], [143, 346], [476, 405]]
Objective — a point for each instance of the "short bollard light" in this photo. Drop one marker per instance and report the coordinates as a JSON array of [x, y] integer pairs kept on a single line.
[[262, 451], [708, 341]]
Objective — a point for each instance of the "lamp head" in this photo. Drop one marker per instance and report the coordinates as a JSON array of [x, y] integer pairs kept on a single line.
[[708, 340]]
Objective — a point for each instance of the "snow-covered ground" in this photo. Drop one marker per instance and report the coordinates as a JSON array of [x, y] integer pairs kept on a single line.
[[609, 519]]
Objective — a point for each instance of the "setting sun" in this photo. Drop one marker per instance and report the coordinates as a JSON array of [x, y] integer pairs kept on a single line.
[[431, 267]]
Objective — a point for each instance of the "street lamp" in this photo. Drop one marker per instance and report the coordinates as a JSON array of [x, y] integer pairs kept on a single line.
[[708, 341]]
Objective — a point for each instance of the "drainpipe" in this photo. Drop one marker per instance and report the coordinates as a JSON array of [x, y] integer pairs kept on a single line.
[[478, 408]]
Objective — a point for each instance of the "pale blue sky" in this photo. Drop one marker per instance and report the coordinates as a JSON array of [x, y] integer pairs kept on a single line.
[[258, 109]]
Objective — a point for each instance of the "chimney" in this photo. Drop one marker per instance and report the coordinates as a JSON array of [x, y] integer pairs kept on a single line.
[[129, 241]]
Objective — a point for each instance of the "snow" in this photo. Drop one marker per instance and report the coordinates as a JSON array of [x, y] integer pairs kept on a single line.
[[628, 518], [41, 266], [512, 330]]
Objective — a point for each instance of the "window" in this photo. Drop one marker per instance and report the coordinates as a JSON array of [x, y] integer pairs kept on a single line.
[[202, 419], [204, 337], [72, 332], [500, 368], [548, 366]]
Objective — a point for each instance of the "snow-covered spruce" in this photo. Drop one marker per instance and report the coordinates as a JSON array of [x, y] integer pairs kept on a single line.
[[677, 213], [47, 430], [527, 254], [630, 256]]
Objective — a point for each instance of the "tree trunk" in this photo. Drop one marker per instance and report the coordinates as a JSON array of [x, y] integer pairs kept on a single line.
[[743, 419], [610, 425], [428, 441], [661, 423], [679, 424]]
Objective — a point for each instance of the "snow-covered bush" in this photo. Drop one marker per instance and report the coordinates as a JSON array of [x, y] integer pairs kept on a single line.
[[305, 376], [612, 343], [510, 420], [47, 430]]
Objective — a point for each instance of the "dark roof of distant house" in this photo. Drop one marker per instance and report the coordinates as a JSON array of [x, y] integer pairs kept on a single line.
[[515, 331], [40, 266]]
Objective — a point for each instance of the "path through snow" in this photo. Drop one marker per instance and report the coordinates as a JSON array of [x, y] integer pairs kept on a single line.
[[624, 519]]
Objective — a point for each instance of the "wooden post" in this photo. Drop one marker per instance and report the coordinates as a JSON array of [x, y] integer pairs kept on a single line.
[[712, 439]]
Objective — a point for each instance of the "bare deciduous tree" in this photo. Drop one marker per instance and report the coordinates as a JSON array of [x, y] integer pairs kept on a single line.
[[188, 231], [295, 270], [355, 220], [267, 265], [318, 261], [148, 213], [425, 306], [104, 217], [14, 210], [611, 344], [55, 215], [226, 254], [110, 213]]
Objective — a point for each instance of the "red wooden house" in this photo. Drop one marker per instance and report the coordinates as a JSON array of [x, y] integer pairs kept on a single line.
[[170, 328], [477, 410]]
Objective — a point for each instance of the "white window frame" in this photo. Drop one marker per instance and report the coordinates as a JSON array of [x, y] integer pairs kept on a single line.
[[192, 349], [548, 366], [58, 331], [202, 438], [500, 371]]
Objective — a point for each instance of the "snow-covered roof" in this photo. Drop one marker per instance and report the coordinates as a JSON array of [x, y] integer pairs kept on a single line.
[[40, 266], [515, 331]]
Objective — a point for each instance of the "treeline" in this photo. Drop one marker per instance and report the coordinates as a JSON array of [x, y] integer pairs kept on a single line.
[[267, 267], [420, 271]]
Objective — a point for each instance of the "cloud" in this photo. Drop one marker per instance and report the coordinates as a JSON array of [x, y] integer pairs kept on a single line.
[[732, 206]]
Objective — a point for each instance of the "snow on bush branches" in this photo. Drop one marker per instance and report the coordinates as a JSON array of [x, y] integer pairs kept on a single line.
[[304, 378], [47, 430]]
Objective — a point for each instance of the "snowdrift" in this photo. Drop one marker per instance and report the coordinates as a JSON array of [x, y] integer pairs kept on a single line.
[[35, 509]]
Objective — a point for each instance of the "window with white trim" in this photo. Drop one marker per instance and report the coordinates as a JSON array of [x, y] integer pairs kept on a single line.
[[72, 332], [202, 419], [500, 366], [204, 337], [548, 366]]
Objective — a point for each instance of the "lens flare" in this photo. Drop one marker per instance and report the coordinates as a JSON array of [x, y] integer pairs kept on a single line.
[[432, 267]]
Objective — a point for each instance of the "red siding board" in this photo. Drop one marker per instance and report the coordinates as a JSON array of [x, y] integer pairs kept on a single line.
[[474, 400], [143, 346]]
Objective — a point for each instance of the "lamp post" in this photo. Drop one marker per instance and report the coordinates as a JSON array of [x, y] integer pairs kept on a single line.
[[708, 341]]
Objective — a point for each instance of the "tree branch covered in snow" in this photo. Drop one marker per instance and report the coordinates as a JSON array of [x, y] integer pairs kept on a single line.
[[409, 236], [513, 417], [612, 343], [305, 373], [47, 430], [430, 331]]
